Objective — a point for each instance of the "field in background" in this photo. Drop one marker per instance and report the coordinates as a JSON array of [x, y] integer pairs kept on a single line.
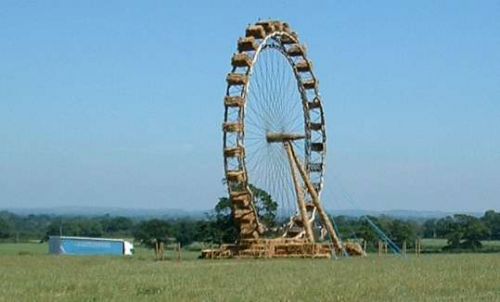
[[42, 249], [27, 273]]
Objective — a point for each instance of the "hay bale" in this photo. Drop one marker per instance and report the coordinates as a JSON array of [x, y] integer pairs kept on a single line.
[[354, 249]]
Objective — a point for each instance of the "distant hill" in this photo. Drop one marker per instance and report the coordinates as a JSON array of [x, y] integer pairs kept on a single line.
[[179, 213], [112, 211], [408, 214]]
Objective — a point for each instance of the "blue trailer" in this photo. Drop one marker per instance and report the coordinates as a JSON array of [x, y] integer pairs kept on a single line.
[[67, 245]]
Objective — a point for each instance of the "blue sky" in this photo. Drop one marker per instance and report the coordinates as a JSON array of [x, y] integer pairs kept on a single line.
[[120, 103]]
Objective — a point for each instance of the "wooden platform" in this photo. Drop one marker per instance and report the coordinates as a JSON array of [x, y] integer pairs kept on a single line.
[[270, 248]]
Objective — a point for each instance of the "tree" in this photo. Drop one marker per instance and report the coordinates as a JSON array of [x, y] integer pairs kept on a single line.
[[5, 228], [225, 228], [87, 227], [400, 231], [116, 224], [184, 231], [463, 231], [151, 231], [429, 228], [344, 225], [366, 232], [449, 229], [492, 221], [473, 231], [266, 207], [208, 231], [90, 228]]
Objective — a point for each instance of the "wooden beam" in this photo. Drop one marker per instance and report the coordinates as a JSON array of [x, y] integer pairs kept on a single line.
[[315, 198], [300, 194]]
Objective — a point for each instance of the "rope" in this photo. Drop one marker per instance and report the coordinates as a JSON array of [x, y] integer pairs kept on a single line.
[[340, 237], [380, 233]]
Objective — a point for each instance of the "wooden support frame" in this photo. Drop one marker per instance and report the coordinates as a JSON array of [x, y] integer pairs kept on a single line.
[[300, 194], [325, 220]]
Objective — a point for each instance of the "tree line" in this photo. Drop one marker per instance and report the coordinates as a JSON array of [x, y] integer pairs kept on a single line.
[[461, 231]]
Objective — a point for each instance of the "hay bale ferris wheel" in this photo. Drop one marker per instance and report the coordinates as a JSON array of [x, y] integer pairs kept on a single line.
[[274, 139]]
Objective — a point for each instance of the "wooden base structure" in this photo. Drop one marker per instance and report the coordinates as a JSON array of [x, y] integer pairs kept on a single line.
[[270, 248], [279, 248]]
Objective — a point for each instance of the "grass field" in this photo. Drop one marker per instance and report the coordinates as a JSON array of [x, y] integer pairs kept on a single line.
[[27, 273]]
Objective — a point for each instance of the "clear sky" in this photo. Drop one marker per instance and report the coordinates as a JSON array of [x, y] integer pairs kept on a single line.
[[119, 103]]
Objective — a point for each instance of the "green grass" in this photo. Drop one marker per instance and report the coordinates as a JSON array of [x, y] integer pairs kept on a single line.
[[23, 249], [491, 243], [439, 243], [436, 245], [37, 276]]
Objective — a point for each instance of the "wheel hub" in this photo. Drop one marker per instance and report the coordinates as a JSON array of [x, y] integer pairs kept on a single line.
[[280, 137]]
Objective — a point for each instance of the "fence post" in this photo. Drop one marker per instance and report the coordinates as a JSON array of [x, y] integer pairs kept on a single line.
[[162, 251], [156, 250]]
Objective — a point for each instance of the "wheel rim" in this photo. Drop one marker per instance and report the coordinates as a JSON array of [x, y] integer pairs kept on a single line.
[[271, 89]]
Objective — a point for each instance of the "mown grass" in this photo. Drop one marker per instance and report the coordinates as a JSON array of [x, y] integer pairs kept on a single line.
[[440, 277]]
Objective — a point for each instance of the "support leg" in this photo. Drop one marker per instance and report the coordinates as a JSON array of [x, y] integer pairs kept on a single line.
[[300, 195], [315, 198]]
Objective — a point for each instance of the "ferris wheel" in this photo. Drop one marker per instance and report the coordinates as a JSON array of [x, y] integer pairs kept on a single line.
[[274, 134]]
